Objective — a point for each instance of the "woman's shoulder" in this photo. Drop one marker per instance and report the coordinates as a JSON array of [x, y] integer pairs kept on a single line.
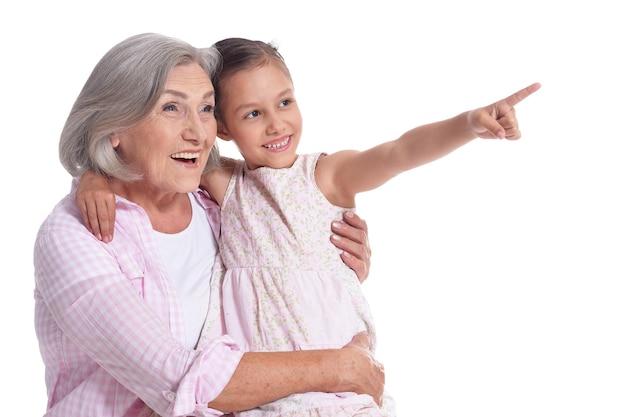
[[65, 214]]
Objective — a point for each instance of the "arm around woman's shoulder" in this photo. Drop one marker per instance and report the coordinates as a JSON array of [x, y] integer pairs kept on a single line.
[[216, 181]]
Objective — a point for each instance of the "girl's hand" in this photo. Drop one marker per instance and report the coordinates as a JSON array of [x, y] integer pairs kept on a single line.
[[96, 202], [498, 121], [351, 237]]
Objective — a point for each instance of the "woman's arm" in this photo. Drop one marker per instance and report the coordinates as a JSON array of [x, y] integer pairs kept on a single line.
[[262, 377], [105, 301], [100, 310]]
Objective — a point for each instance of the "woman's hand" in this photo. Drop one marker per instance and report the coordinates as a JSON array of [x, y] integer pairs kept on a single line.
[[351, 237], [364, 371]]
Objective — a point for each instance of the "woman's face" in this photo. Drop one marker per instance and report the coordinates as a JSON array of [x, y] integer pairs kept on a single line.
[[170, 146]]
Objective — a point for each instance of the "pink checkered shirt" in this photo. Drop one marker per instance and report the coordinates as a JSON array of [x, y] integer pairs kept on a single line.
[[110, 326]]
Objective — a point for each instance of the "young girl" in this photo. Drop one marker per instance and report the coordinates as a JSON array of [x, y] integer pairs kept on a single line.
[[283, 286]]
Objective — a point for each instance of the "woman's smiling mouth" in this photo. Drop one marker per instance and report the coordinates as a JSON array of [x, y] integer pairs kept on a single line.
[[186, 157]]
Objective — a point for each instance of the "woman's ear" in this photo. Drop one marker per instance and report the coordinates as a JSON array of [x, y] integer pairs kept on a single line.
[[115, 140]]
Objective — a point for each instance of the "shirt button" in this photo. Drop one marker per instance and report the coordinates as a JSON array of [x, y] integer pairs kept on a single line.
[[170, 396]]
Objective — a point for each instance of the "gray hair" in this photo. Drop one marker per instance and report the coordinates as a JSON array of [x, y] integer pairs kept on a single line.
[[121, 90]]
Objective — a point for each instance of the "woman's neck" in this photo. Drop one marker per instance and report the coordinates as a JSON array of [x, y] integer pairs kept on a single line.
[[169, 212]]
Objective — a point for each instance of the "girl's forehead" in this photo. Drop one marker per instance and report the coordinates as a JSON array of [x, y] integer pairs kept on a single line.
[[264, 68], [257, 77]]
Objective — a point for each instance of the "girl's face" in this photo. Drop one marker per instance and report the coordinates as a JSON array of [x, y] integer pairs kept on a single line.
[[170, 146], [260, 114]]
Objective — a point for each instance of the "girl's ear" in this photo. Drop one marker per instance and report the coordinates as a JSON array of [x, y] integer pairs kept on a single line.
[[222, 133]]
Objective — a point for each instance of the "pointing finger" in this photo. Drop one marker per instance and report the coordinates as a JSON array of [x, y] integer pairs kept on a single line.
[[513, 99]]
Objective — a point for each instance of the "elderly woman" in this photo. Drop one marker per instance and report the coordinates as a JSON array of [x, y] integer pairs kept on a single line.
[[119, 323]]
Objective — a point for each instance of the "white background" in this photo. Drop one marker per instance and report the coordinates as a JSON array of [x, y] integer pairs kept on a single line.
[[498, 277]]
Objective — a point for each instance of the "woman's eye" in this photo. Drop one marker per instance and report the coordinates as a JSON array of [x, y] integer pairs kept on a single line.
[[209, 108], [170, 107]]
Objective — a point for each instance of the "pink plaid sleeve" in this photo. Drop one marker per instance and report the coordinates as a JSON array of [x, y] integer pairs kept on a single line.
[[108, 308]]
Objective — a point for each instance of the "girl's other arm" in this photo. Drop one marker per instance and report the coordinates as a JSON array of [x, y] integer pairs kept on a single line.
[[216, 182], [96, 202]]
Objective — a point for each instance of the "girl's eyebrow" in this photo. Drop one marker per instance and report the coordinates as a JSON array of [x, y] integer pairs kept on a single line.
[[285, 92], [243, 106]]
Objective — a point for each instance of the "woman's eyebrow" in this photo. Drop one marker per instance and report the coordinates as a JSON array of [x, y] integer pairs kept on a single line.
[[185, 96]]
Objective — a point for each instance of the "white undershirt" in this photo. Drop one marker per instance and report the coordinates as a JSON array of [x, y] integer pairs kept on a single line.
[[189, 256]]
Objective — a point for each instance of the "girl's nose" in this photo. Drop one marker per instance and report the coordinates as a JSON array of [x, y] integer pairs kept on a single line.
[[275, 124]]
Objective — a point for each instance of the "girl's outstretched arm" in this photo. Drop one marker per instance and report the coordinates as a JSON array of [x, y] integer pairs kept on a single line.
[[344, 174]]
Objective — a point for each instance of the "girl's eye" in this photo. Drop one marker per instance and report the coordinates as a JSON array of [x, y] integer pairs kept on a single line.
[[285, 102], [252, 114]]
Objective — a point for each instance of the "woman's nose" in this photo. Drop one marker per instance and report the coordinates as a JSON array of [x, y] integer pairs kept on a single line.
[[198, 129]]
